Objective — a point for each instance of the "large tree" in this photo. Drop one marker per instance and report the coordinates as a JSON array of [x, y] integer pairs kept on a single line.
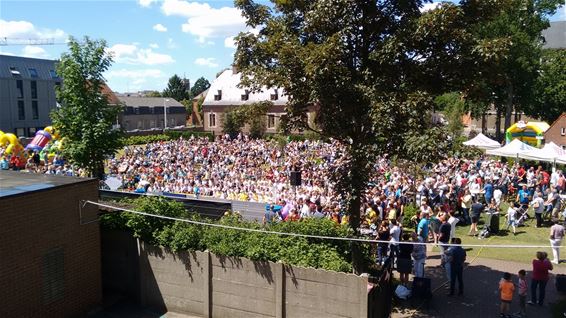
[[370, 69], [85, 119], [176, 89], [200, 86]]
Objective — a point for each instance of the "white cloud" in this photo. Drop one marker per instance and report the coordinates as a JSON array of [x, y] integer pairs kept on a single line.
[[171, 44], [430, 6], [206, 61], [132, 54], [34, 51], [154, 45], [136, 78], [229, 42], [145, 3], [206, 22], [26, 30], [160, 28]]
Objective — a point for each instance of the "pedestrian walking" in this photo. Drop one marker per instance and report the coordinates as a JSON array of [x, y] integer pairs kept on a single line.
[[557, 233]]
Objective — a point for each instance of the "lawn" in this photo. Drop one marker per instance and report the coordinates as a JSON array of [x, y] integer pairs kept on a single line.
[[526, 235]]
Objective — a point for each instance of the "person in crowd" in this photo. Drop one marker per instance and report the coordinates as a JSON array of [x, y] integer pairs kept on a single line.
[[477, 209], [423, 227], [466, 206], [541, 266], [488, 191], [523, 197], [383, 234], [404, 263], [457, 258], [419, 255], [444, 237], [512, 217], [557, 234], [395, 233], [506, 291], [523, 289], [538, 207]]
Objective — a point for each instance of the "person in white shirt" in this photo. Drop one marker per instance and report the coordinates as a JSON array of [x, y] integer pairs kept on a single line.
[[538, 207], [512, 218], [557, 233], [395, 232]]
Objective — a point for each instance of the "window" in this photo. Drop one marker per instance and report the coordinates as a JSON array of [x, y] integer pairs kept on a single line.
[[245, 96], [32, 131], [20, 132], [21, 110], [14, 71], [270, 121], [212, 120], [218, 96], [33, 86], [34, 110], [20, 88], [172, 121], [53, 74], [275, 95], [33, 72], [563, 131], [140, 124], [152, 123], [53, 271]]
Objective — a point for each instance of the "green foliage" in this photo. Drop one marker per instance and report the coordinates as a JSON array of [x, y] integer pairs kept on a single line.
[[232, 123], [169, 135], [550, 87], [176, 89], [251, 114], [199, 86], [177, 235], [154, 94], [409, 214], [85, 119], [453, 106]]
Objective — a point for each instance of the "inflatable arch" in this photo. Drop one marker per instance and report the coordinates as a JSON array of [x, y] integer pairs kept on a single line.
[[531, 132], [11, 143]]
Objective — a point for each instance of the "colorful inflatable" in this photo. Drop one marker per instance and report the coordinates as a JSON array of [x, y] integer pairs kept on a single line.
[[41, 139], [531, 132], [11, 143]]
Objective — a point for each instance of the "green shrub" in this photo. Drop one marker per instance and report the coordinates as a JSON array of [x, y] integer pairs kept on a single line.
[[409, 213], [168, 135], [177, 235]]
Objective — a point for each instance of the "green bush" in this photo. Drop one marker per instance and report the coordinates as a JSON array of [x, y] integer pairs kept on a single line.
[[168, 135], [409, 213], [177, 235]]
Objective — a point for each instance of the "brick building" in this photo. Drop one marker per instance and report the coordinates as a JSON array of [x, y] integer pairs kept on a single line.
[[557, 132], [49, 261]]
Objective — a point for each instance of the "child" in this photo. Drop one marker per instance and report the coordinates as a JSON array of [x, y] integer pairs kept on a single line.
[[522, 292], [512, 218], [506, 289]]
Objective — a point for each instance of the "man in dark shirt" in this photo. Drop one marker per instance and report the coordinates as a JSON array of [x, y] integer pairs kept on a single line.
[[477, 208], [457, 257], [444, 238]]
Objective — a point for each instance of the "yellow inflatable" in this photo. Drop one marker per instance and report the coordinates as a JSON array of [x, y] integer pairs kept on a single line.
[[11, 143]]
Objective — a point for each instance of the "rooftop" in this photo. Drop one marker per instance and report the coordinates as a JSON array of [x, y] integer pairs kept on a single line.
[[19, 67], [555, 36], [16, 183], [149, 101]]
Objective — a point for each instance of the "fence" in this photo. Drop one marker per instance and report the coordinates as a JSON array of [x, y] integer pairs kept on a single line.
[[210, 285]]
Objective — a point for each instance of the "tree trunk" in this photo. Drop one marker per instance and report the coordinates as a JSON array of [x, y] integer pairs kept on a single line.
[[483, 124], [354, 212], [498, 124], [508, 105]]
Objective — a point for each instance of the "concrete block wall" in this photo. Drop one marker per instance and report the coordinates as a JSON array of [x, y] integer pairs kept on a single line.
[[217, 286], [35, 224]]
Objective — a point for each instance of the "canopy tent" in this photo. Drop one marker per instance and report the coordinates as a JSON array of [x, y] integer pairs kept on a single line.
[[483, 142], [531, 132], [512, 149], [550, 152]]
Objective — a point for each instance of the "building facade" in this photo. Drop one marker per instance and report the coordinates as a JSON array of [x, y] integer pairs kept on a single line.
[[146, 113], [27, 94], [557, 132], [224, 94]]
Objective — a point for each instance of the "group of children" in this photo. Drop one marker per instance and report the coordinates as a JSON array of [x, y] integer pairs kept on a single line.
[[506, 291]]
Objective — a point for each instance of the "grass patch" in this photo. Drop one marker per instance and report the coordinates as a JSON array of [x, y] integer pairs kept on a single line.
[[526, 235]]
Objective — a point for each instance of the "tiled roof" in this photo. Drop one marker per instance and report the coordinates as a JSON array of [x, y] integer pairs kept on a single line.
[[149, 101]]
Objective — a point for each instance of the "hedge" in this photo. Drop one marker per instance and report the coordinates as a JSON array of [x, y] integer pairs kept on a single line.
[[177, 235], [168, 135]]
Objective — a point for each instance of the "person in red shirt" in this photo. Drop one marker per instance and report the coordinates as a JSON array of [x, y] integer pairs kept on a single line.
[[541, 266]]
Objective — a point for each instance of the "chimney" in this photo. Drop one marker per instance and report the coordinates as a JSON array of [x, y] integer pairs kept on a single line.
[[235, 69]]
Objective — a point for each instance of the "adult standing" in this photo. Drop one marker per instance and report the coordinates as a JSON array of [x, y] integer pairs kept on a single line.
[[457, 258], [422, 228], [395, 233], [419, 255], [466, 205], [477, 209], [523, 197], [538, 207], [444, 236], [541, 266], [383, 235], [404, 265], [488, 191], [557, 233]]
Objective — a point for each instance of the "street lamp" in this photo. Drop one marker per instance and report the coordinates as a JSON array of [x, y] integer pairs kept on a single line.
[[165, 113]]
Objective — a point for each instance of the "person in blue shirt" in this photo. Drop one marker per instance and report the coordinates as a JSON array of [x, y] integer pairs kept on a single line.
[[523, 197], [422, 228], [4, 164], [488, 191]]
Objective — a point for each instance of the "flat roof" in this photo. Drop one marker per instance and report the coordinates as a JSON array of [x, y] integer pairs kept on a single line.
[[17, 183]]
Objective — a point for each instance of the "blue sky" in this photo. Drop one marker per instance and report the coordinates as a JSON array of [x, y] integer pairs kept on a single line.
[[151, 40]]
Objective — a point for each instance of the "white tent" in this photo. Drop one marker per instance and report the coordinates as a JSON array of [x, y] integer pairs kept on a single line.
[[482, 142], [512, 149], [550, 152]]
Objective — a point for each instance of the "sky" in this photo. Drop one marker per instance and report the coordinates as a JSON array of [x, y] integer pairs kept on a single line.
[[150, 39]]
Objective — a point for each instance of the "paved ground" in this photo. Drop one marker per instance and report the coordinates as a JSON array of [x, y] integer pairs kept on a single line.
[[481, 297]]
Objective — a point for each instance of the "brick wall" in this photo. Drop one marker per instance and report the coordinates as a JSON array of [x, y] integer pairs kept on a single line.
[[49, 263], [554, 133]]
